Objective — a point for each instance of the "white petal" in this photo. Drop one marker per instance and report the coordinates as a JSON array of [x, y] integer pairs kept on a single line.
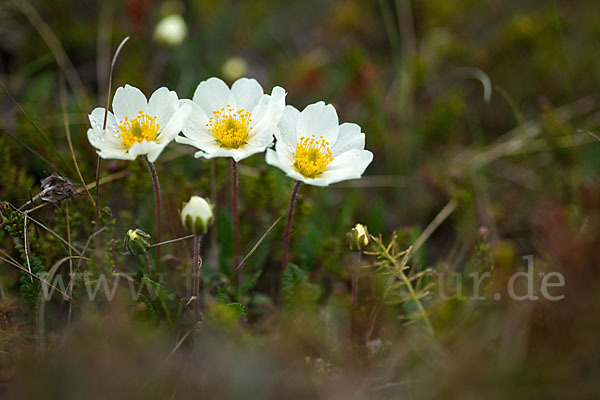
[[320, 120], [273, 158], [264, 139], [122, 155], [156, 151], [349, 165], [350, 137], [214, 151], [104, 140], [97, 119], [195, 126], [212, 95], [247, 92], [174, 125], [200, 143], [287, 125], [128, 101], [144, 148], [284, 160], [267, 113], [163, 104]]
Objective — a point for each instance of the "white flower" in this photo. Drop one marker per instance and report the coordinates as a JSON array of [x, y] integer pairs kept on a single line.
[[138, 126], [312, 148], [171, 30], [197, 215], [236, 122]]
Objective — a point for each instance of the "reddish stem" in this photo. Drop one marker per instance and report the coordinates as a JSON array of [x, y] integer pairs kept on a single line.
[[288, 225], [157, 199], [197, 265], [236, 218]]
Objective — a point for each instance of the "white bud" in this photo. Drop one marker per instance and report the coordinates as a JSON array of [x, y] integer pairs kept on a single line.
[[170, 30], [197, 215]]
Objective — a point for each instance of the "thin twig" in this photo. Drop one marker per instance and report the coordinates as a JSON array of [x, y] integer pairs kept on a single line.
[[433, 225], [36, 128], [63, 100], [9, 260], [70, 252], [108, 93], [48, 229], [172, 241], [26, 244], [251, 251]]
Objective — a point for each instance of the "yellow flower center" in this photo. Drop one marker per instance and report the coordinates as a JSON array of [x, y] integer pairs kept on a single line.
[[138, 129], [230, 127], [312, 156]]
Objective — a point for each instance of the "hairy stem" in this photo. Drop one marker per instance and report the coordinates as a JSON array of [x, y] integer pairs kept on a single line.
[[157, 199], [288, 225], [236, 218], [197, 266]]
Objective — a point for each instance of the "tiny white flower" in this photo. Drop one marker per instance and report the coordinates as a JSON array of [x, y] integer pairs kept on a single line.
[[236, 122], [312, 148], [137, 126], [170, 30], [197, 215]]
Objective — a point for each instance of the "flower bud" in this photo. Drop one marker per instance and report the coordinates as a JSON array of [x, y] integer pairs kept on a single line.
[[197, 215], [137, 241], [358, 238], [170, 30]]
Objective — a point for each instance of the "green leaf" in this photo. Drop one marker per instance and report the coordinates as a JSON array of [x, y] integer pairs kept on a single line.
[[28, 284], [296, 288], [238, 309]]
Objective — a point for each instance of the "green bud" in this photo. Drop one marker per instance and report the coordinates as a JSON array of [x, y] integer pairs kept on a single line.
[[358, 238], [137, 241], [197, 215]]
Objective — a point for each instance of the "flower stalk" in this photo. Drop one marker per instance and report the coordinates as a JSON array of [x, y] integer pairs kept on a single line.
[[157, 199], [197, 266], [288, 225], [197, 218], [235, 212]]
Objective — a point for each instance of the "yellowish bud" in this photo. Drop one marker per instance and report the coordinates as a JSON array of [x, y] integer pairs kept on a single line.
[[358, 238]]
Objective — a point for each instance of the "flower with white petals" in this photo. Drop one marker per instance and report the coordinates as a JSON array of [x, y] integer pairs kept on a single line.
[[137, 126], [313, 148], [236, 122], [197, 215]]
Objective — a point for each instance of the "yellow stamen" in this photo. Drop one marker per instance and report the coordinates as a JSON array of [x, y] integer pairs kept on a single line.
[[138, 129], [312, 156], [230, 127]]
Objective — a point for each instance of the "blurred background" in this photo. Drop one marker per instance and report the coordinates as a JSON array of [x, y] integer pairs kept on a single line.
[[477, 112]]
